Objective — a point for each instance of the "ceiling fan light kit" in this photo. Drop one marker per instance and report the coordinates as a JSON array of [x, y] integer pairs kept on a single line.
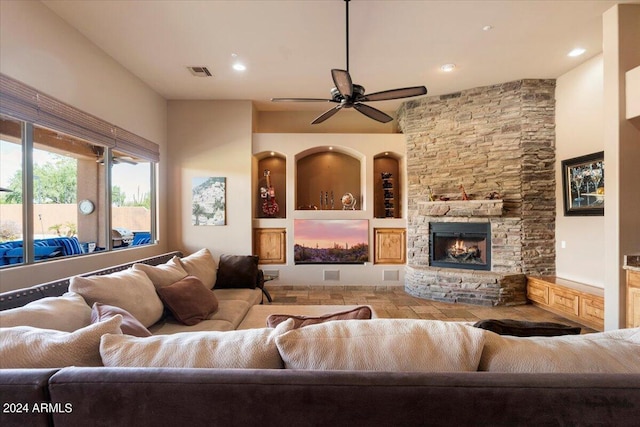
[[349, 95]]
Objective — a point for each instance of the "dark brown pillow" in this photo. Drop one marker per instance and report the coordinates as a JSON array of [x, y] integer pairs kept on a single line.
[[523, 328], [189, 300], [130, 325], [237, 271], [362, 312]]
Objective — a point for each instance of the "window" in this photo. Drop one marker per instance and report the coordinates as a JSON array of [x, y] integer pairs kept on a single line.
[[56, 200], [131, 186], [11, 183]]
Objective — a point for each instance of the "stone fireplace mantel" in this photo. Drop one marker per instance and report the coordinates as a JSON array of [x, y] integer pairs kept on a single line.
[[462, 208]]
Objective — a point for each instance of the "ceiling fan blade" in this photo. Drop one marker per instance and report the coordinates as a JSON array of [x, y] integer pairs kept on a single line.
[[301, 100], [342, 80], [373, 113], [324, 116], [404, 92]]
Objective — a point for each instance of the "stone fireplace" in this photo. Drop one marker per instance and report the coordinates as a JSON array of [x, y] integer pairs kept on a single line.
[[460, 245], [498, 142]]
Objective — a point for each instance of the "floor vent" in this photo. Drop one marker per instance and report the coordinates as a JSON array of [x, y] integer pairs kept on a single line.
[[331, 274], [390, 275]]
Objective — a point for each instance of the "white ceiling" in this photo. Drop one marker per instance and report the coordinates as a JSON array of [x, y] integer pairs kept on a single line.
[[289, 47]]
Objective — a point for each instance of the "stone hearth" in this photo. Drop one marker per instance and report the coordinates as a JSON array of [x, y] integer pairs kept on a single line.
[[497, 138]]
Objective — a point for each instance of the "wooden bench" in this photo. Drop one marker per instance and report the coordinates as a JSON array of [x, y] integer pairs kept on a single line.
[[576, 301]]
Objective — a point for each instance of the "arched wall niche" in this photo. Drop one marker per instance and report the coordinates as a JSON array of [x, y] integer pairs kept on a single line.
[[325, 174]]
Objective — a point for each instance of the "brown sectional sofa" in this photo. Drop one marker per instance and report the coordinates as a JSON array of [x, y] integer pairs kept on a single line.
[[106, 396]]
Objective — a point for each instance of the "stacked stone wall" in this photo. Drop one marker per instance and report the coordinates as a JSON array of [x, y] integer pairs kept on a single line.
[[498, 138]]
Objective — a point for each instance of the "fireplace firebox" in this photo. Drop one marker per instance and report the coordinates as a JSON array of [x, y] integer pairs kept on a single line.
[[460, 245]]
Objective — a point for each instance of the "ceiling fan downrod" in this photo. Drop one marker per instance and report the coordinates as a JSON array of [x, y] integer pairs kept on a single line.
[[347, 37]]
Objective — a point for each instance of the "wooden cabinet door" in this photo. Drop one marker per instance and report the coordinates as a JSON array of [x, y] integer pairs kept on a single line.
[[390, 246], [633, 299], [537, 291], [270, 245]]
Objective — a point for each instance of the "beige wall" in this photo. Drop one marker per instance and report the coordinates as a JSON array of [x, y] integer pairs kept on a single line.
[[210, 139], [41, 50], [621, 38], [346, 121], [579, 131]]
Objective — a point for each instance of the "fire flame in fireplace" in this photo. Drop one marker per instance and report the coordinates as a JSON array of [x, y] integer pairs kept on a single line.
[[459, 247]]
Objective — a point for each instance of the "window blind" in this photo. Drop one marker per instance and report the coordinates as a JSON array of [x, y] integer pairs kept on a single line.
[[23, 102]]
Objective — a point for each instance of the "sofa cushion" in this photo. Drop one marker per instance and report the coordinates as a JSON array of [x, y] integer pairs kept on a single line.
[[130, 325], [523, 328], [249, 349], [129, 289], [202, 265], [28, 347], [237, 271], [615, 351], [68, 312], [362, 312], [169, 325], [163, 274], [383, 345], [189, 300]]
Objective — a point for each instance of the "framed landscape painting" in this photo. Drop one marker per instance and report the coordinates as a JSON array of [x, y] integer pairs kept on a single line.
[[208, 206], [583, 185], [331, 241]]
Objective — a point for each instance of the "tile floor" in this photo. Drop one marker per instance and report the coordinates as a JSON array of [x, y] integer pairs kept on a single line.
[[394, 302]]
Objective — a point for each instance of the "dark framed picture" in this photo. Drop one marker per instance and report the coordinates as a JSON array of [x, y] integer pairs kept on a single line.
[[583, 185]]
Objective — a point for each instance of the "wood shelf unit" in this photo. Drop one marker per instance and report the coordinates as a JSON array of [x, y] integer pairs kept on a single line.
[[576, 301]]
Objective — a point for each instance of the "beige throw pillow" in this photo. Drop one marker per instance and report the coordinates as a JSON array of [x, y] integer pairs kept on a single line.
[[383, 345], [202, 265], [248, 348], [164, 274], [615, 351], [68, 312], [129, 289], [28, 347]]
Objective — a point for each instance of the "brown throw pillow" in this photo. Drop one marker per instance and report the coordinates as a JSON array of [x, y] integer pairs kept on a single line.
[[237, 271], [523, 328], [362, 312], [130, 325], [189, 300]]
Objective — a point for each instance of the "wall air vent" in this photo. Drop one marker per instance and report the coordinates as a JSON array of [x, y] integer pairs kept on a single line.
[[200, 71]]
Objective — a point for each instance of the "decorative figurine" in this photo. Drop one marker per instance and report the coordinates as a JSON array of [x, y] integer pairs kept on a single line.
[[348, 202], [464, 193], [431, 196]]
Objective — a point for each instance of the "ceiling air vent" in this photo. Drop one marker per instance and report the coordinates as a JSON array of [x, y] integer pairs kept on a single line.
[[200, 71]]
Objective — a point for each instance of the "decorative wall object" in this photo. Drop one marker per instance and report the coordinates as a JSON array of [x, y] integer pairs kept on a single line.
[[583, 185], [209, 202], [331, 241]]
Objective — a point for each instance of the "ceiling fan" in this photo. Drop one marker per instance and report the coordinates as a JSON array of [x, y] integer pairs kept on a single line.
[[114, 159], [349, 95]]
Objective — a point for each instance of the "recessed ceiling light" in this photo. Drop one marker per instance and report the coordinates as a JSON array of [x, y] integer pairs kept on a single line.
[[487, 28], [577, 52], [239, 66], [273, 153], [448, 67], [330, 148]]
